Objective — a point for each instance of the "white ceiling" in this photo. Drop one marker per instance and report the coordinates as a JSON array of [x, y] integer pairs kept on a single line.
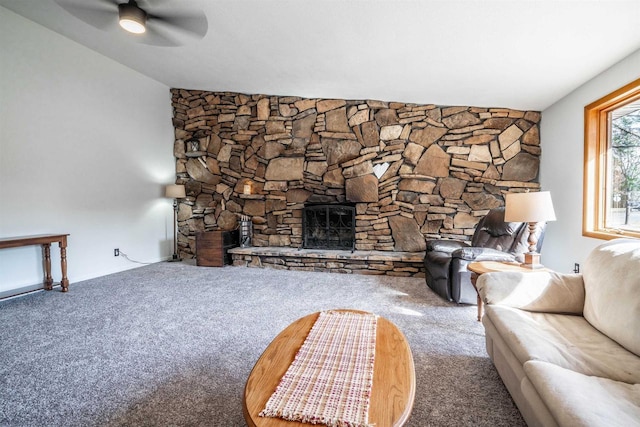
[[523, 54]]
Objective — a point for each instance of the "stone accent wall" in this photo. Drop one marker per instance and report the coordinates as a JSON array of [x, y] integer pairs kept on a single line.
[[440, 168]]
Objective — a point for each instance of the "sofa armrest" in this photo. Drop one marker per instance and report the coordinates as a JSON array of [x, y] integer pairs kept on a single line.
[[542, 291], [447, 246], [482, 254]]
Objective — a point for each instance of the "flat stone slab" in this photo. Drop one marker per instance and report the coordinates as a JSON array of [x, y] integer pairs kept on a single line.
[[276, 251]]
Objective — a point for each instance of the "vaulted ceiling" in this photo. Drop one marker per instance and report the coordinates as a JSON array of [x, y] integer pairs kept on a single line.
[[523, 54]]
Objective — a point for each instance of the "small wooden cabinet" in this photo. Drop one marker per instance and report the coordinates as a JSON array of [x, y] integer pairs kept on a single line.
[[212, 247]]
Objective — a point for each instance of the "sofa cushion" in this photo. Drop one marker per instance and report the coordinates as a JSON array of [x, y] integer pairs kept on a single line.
[[612, 291], [565, 340], [533, 291], [576, 400]]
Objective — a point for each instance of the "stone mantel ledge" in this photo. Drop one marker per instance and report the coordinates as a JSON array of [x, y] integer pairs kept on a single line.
[[277, 251]]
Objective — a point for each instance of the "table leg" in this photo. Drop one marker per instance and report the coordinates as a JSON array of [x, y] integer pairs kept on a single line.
[[48, 280], [64, 283], [474, 277]]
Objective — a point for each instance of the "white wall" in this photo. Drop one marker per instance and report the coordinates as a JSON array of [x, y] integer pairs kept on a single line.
[[86, 146], [561, 170]]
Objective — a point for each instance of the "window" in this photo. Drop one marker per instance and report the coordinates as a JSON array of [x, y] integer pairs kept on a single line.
[[612, 165]]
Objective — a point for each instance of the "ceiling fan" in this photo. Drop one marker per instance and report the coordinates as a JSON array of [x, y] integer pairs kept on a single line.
[[158, 23]]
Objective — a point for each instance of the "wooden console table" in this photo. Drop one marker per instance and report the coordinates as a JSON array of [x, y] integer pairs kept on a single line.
[[45, 240]]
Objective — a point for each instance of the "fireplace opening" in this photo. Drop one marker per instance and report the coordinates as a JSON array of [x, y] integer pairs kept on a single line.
[[329, 227]]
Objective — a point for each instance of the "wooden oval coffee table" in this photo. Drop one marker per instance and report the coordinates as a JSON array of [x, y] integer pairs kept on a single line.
[[394, 378]]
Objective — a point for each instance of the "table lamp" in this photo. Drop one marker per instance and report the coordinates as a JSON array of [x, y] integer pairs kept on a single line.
[[531, 208], [175, 192]]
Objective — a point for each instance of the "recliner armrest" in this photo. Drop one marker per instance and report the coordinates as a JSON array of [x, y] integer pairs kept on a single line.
[[482, 254], [543, 291], [447, 246]]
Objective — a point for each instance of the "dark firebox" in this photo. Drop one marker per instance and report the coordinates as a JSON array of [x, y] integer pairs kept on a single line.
[[329, 227]]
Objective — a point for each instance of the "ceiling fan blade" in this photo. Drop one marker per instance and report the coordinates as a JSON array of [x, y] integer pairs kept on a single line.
[[150, 4], [193, 25], [165, 27], [158, 36], [105, 5], [110, 2], [101, 14]]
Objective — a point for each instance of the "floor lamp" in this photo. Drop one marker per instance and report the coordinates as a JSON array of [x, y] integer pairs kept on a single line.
[[531, 208], [175, 192]]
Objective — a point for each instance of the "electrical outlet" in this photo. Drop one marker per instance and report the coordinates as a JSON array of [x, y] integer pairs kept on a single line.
[[116, 252], [576, 268]]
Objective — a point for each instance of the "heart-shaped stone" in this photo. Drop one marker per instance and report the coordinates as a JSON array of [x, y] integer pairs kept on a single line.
[[380, 169]]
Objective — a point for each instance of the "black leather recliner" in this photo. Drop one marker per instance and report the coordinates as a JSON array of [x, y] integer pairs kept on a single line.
[[446, 261]]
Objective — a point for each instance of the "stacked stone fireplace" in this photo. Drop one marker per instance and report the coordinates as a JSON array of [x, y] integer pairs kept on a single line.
[[411, 172]]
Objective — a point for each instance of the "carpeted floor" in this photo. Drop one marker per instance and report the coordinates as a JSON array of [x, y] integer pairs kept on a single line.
[[172, 344]]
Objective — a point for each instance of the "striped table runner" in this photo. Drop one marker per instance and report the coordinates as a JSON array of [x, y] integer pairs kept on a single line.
[[329, 381]]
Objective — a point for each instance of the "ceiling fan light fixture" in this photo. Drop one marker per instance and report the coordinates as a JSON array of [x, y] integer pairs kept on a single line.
[[132, 18]]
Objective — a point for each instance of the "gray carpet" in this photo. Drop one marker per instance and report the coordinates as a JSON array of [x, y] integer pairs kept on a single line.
[[172, 344]]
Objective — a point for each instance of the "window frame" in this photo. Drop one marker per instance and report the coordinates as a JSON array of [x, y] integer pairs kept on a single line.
[[596, 144]]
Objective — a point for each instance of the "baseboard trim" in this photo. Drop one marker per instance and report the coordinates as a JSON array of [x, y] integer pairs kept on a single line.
[[23, 291]]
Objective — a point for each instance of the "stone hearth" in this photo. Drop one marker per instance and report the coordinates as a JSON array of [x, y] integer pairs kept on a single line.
[[413, 172], [333, 261]]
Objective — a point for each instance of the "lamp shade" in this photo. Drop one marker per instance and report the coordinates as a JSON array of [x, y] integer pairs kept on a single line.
[[175, 191], [529, 207]]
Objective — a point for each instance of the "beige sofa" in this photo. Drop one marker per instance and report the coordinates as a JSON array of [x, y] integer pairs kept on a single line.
[[567, 346]]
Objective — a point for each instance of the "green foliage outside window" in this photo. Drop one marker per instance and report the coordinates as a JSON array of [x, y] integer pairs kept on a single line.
[[624, 209]]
